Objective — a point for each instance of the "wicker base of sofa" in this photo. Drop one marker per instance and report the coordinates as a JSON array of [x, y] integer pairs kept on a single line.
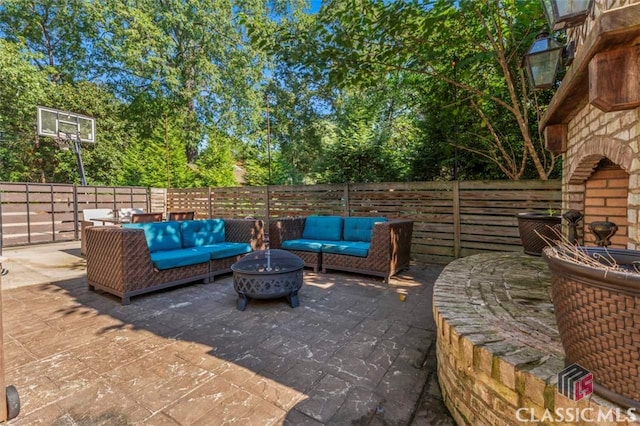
[[126, 295], [359, 265], [311, 259]]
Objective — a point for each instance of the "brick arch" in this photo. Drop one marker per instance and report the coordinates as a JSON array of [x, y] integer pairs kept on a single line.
[[594, 150]]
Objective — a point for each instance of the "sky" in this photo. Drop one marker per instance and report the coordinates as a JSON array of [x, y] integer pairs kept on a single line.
[[314, 5]]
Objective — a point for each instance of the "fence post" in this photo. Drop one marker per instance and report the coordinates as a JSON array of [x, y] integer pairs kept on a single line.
[[267, 207], [75, 213], [210, 204], [456, 219], [53, 214], [347, 206], [28, 214]]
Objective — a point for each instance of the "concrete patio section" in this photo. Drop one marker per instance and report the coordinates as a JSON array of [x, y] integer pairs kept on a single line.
[[42, 263], [354, 352]]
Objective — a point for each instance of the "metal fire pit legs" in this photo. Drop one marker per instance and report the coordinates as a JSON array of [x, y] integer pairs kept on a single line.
[[268, 274]]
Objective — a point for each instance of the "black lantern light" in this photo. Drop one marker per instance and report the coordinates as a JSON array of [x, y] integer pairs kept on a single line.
[[563, 14], [542, 60]]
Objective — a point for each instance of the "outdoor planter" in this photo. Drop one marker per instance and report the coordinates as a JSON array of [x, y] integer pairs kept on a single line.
[[597, 309], [545, 224]]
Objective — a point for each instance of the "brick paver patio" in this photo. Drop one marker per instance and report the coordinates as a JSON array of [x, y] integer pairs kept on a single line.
[[352, 353]]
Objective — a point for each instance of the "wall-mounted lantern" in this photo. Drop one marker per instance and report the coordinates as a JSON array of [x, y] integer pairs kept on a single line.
[[542, 60], [563, 14]]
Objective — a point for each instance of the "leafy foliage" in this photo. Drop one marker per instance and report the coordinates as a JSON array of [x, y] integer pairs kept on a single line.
[[474, 46], [361, 91]]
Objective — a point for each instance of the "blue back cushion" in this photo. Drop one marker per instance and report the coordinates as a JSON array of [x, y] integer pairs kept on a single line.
[[360, 228], [323, 228], [160, 235], [198, 233]]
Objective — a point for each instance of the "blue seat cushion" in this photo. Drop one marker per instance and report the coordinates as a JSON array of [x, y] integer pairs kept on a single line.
[[351, 248], [168, 259], [303, 244], [160, 235], [223, 250], [360, 228], [327, 228], [197, 233]]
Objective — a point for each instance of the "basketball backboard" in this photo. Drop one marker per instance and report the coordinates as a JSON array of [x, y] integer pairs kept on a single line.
[[64, 124]]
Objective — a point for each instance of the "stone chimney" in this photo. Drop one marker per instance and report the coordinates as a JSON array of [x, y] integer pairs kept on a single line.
[[594, 121]]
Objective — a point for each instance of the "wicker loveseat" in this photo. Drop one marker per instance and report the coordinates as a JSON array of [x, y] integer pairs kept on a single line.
[[367, 245], [138, 258]]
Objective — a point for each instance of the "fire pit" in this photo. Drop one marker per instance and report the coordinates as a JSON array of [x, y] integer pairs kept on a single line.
[[267, 274]]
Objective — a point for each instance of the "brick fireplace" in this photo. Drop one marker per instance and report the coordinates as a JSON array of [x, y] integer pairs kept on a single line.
[[594, 120]]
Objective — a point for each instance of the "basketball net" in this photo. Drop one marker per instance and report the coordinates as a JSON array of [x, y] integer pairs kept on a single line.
[[64, 141]]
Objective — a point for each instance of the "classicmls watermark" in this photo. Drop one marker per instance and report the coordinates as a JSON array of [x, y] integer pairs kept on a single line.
[[576, 382], [575, 414]]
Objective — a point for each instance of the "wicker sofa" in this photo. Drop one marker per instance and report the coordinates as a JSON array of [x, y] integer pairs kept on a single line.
[[138, 258], [89, 216], [367, 245]]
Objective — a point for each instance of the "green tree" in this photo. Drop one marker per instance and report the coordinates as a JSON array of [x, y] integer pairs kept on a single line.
[[214, 166], [157, 159], [371, 140], [22, 87], [363, 41], [191, 54], [51, 40], [55, 32]]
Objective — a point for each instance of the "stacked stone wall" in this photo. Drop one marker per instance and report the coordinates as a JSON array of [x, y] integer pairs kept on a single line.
[[593, 135], [498, 348]]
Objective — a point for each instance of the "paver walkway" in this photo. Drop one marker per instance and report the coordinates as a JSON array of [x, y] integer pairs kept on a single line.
[[352, 353]]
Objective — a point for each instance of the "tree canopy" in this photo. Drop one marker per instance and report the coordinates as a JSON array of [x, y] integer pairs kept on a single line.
[[351, 91]]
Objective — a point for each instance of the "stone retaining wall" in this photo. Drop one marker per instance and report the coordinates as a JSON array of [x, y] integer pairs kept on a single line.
[[498, 348]]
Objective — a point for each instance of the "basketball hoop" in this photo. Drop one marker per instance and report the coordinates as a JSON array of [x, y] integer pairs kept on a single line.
[[67, 129]]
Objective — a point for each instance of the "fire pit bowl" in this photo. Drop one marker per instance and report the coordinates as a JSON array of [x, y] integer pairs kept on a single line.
[[267, 274]]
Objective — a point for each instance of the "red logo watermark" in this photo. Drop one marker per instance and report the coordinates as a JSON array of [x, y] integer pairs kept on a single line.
[[575, 382]]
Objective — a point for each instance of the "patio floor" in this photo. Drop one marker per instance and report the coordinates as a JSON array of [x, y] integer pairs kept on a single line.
[[352, 353]]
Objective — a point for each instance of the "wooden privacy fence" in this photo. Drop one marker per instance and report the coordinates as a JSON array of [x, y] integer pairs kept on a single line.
[[40, 213], [451, 219]]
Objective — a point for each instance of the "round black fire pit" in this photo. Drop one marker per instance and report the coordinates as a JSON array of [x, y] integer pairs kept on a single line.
[[267, 274]]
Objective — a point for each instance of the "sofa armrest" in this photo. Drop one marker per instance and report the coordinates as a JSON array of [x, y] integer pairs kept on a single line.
[[118, 258], [286, 228], [391, 242], [245, 231], [84, 224]]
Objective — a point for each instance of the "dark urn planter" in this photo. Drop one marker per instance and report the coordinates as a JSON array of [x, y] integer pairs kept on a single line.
[[598, 314], [546, 225], [603, 232]]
